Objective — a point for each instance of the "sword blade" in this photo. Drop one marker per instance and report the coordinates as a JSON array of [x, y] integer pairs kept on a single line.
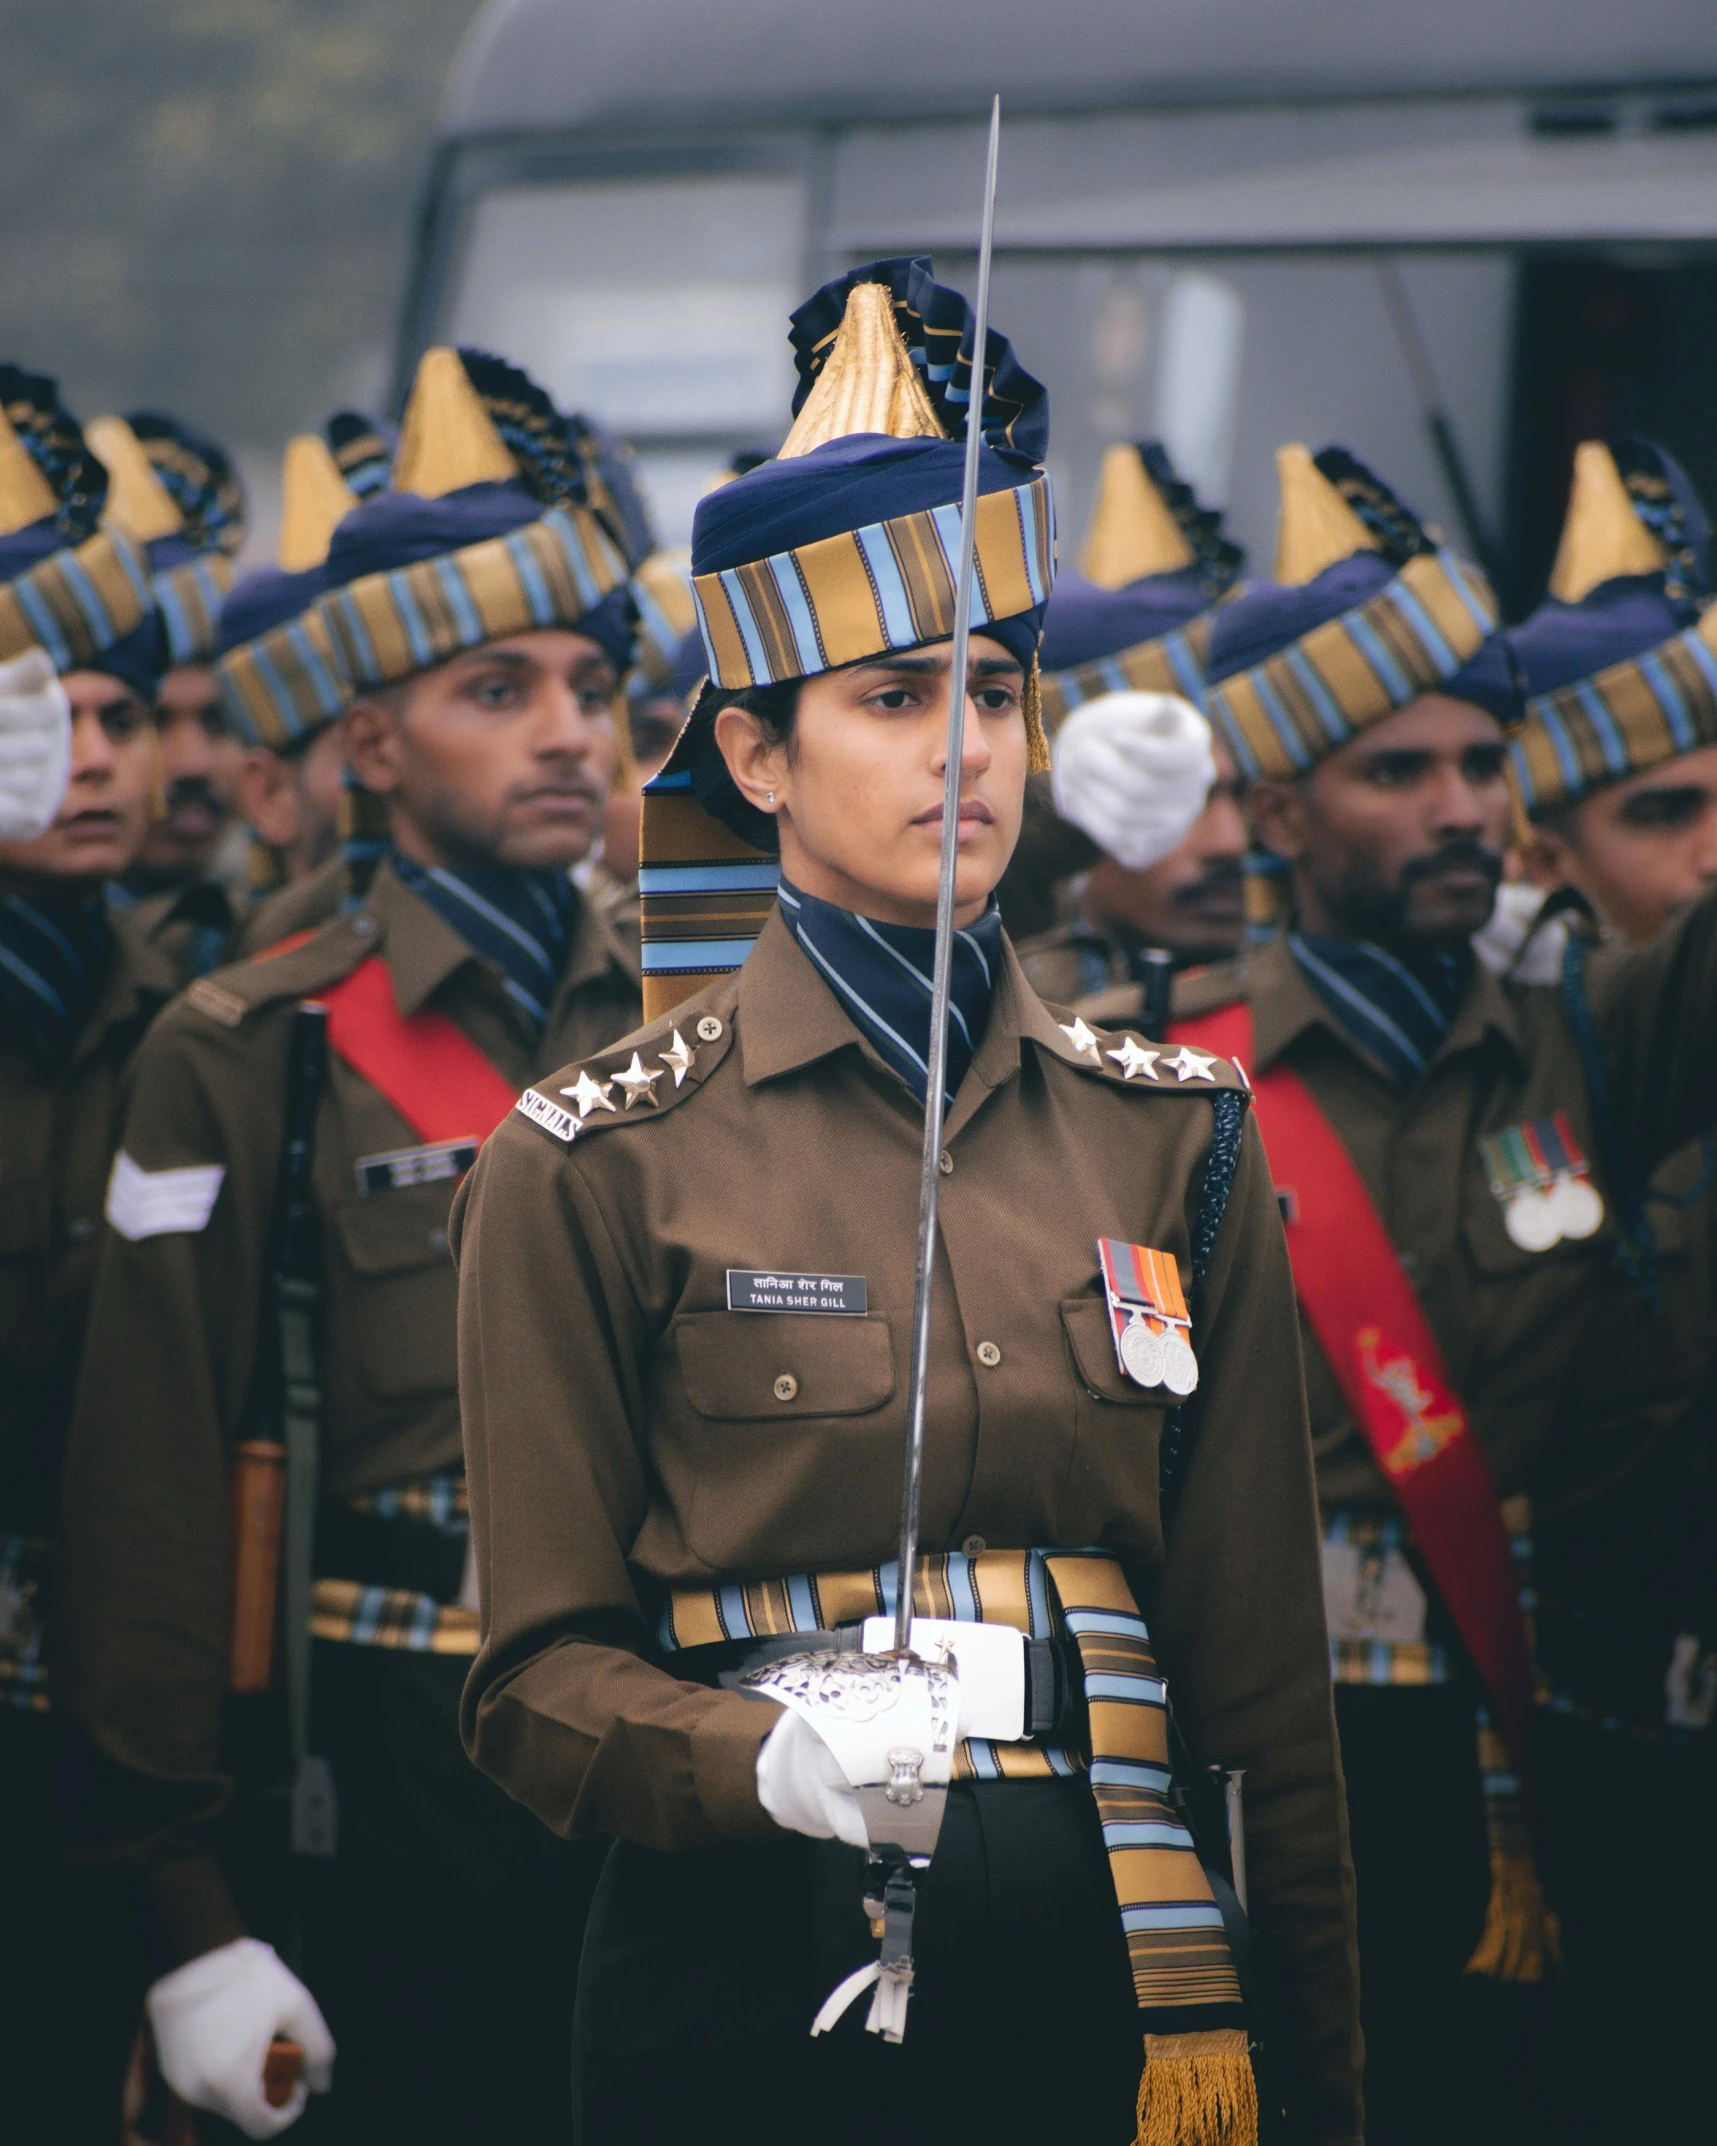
[[930, 1172]]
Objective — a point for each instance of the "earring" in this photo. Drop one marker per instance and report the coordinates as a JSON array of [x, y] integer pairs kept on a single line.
[[769, 796]]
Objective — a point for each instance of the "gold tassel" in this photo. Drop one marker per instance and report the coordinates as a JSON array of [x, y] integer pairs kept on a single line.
[[1522, 1939], [1198, 2090], [1031, 701]]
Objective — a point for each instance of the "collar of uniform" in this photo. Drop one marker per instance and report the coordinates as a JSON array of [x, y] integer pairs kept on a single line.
[[422, 950], [146, 971], [1284, 1007], [785, 1023]]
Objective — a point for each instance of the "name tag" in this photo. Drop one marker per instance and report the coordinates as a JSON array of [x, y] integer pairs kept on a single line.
[[1371, 1594], [839, 1295], [403, 1167]]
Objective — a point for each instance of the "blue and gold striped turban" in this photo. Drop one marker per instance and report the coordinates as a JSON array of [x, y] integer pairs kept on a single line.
[[487, 530], [1620, 661], [1137, 616], [67, 586], [843, 547], [848, 550], [192, 566], [1366, 614]]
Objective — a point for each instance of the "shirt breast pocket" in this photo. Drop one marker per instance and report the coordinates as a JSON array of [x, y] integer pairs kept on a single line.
[[1117, 1431], [777, 1367], [396, 1304]]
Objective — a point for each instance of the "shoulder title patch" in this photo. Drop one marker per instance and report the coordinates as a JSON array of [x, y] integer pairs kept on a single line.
[[217, 1002]]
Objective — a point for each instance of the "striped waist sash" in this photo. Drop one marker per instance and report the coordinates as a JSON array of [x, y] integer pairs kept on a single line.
[[1197, 2080]]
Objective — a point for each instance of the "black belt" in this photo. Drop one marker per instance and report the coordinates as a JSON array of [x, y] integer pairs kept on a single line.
[[422, 1557], [1054, 1680]]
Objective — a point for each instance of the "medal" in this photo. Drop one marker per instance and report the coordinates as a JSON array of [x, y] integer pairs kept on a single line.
[[1530, 1218], [1579, 1210], [1543, 1183], [1144, 1354], [1148, 1315]]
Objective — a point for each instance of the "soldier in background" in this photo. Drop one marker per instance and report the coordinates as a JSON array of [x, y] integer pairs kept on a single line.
[[80, 983], [438, 1923], [177, 493], [1446, 1157], [1615, 774]]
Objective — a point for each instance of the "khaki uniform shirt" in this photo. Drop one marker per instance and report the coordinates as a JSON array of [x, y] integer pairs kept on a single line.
[[59, 1124], [627, 1433], [172, 1367], [1525, 1335], [1076, 961]]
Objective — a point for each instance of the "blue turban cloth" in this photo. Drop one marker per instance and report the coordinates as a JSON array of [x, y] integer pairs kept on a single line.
[[1296, 671], [1626, 678], [1085, 621], [395, 529], [398, 528]]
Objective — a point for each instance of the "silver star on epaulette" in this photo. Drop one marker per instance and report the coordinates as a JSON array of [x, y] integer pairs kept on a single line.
[[635, 1084], [1135, 1063], [1083, 1039], [589, 1095], [678, 1059], [1188, 1064]]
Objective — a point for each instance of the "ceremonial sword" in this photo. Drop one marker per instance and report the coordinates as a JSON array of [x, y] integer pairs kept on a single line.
[[935, 1096]]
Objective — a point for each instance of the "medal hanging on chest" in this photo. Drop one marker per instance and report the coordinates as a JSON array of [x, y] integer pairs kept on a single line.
[[1543, 1182], [1148, 1315]]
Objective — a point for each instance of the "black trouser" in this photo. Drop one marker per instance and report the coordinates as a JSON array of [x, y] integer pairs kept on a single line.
[[71, 1941], [1447, 2055], [442, 1940], [1627, 1836], [702, 1973]]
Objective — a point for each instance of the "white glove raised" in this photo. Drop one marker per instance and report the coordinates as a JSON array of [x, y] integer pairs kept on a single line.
[[213, 2020], [1133, 771], [801, 1785], [35, 746]]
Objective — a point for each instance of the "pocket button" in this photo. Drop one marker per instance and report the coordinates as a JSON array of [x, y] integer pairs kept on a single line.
[[786, 1387], [988, 1355]]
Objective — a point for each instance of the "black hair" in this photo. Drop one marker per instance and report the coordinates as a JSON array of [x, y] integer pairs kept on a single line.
[[776, 710]]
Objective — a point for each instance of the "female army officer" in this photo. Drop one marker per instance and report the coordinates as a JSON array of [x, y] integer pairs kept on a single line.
[[685, 1302]]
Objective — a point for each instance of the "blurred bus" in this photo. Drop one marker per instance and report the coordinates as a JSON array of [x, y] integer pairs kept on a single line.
[[1457, 238]]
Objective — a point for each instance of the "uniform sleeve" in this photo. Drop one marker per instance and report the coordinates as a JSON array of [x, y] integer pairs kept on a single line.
[[1239, 1628], [559, 1707], [143, 1610], [1654, 1013]]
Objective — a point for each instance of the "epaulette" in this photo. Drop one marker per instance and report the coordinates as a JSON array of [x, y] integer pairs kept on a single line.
[[1201, 991], [643, 1076], [296, 968], [1130, 1059]]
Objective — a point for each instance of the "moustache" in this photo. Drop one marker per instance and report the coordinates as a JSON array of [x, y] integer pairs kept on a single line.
[[193, 790], [1454, 856], [1221, 875]]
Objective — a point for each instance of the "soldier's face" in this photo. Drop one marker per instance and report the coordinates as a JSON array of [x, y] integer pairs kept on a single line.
[[502, 756], [858, 786], [1400, 833], [1193, 900], [101, 821], [1641, 850], [199, 771]]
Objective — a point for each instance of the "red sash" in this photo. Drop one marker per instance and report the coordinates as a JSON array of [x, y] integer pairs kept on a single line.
[[426, 1067], [1379, 1344]]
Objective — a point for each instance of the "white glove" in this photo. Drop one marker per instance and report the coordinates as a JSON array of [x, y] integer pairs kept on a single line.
[[35, 746], [990, 1662], [1133, 771], [801, 1785], [213, 2020]]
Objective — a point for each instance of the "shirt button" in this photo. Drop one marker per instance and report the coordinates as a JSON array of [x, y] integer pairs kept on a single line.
[[364, 927], [989, 1355], [80, 1229], [438, 1240], [947, 1164], [974, 1546], [786, 1386], [709, 1029]]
